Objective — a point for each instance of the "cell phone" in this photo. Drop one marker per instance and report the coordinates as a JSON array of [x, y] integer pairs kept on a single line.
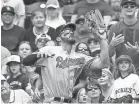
[[129, 35]]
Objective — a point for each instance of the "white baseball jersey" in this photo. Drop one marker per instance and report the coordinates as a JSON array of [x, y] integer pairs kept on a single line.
[[126, 86], [59, 72]]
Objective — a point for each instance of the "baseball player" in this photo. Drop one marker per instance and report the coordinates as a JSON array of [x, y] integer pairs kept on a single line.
[[126, 87], [60, 63]]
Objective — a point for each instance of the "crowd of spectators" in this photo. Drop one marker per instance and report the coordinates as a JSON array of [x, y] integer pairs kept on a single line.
[[49, 54]]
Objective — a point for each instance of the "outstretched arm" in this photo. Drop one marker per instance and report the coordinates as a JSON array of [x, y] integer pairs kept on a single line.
[[103, 61]]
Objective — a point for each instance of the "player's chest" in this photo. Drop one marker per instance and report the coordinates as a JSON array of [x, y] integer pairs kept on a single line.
[[67, 61]]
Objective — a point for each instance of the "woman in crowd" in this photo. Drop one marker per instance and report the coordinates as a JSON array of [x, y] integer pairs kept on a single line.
[[54, 17], [83, 48], [38, 18], [126, 87], [54, 14], [94, 92], [106, 83], [94, 46]]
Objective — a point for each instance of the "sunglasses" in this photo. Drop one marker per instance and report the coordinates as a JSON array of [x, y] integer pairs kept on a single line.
[[129, 5], [92, 88], [82, 49], [80, 22]]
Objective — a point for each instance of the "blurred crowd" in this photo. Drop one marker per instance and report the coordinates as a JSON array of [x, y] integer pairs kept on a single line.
[[104, 64]]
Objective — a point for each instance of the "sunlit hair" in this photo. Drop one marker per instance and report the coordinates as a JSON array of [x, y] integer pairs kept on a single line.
[[110, 75], [33, 14]]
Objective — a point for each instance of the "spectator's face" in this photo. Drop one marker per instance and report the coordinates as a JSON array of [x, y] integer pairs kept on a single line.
[[129, 9], [52, 12], [7, 18], [104, 80], [38, 20], [14, 67], [93, 91], [82, 96], [115, 5], [82, 48], [24, 50], [4, 87], [123, 66], [94, 44]]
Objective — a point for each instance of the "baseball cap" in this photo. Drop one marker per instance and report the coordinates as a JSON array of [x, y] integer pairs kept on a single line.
[[42, 37], [123, 58], [52, 3], [69, 25], [13, 58], [8, 9], [81, 18], [2, 78], [128, 1]]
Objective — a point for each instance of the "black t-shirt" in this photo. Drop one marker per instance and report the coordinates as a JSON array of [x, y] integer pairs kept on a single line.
[[11, 38], [20, 82]]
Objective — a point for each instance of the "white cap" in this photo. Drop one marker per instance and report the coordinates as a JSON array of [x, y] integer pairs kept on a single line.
[[2, 78], [52, 3], [13, 58]]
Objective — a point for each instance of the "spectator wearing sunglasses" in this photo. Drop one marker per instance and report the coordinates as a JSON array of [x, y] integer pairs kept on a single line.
[[83, 48], [94, 46], [123, 36], [94, 92]]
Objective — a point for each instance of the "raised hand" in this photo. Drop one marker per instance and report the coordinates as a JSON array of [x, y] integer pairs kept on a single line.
[[131, 48], [116, 40]]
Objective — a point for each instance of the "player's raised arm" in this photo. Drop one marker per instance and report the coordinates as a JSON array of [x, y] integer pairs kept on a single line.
[[103, 61], [100, 31]]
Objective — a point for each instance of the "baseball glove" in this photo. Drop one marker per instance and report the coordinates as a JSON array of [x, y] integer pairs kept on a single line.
[[95, 22]]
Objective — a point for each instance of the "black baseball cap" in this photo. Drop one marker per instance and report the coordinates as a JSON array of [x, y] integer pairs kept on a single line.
[[7, 9], [128, 1], [72, 26]]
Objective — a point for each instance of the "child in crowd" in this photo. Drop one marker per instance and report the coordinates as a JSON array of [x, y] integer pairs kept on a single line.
[[126, 87], [16, 80]]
